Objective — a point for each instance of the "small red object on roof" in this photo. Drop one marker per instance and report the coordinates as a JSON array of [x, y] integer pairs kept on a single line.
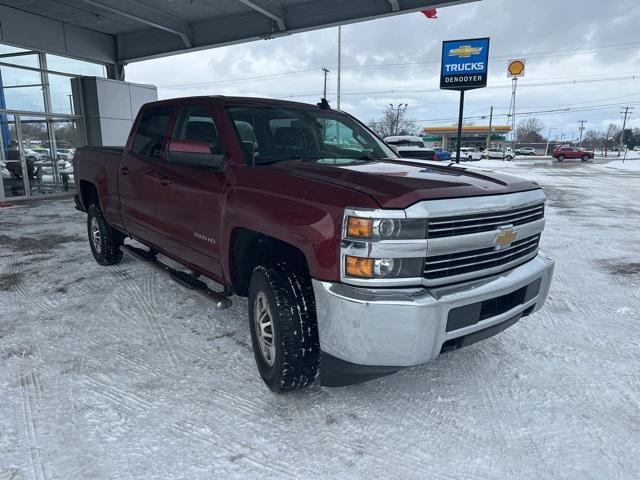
[[430, 13]]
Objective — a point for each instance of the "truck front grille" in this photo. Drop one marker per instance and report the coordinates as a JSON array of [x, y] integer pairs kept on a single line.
[[443, 266], [475, 223]]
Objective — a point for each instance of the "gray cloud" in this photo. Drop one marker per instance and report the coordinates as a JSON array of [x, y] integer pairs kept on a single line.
[[549, 34]]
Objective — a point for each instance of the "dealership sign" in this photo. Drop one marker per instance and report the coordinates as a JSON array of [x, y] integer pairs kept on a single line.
[[464, 64]]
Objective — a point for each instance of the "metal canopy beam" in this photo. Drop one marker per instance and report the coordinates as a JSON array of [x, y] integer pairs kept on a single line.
[[192, 24], [269, 9], [138, 11], [301, 16]]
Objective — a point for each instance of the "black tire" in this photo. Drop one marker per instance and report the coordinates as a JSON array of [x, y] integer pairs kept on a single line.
[[561, 158], [585, 158], [105, 244], [294, 330], [508, 158]]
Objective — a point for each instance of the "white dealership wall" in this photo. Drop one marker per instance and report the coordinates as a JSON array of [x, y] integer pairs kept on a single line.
[[109, 107]]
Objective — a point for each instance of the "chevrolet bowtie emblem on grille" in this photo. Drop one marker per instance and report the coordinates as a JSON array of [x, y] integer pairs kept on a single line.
[[506, 236], [465, 51]]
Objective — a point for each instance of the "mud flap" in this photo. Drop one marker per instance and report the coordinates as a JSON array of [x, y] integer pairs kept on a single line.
[[335, 372]]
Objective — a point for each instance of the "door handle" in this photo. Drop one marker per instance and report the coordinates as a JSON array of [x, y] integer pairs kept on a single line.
[[124, 171], [164, 181]]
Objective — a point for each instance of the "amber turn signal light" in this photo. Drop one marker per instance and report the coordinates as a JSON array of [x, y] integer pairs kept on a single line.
[[359, 227], [359, 267]]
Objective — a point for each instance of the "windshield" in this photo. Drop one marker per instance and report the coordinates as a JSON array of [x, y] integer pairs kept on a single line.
[[272, 134]]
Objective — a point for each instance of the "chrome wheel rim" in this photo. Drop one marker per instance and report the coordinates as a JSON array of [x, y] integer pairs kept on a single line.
[[96, 238], [264, 329]]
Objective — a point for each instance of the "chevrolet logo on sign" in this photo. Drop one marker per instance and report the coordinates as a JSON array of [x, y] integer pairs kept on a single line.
[[506, 236], [465, 51]]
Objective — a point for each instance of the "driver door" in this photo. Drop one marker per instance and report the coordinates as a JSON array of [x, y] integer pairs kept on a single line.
[[192, 198]]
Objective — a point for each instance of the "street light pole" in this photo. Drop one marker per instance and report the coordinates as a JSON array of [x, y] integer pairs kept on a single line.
[[398, 112]]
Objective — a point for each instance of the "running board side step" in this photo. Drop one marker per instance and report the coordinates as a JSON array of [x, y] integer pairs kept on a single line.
[[219, 299]]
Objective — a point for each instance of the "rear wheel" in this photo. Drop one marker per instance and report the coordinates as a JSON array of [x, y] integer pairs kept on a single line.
[[585, 158], [508, 158], [284, 331], [105, 242], [561, 158]]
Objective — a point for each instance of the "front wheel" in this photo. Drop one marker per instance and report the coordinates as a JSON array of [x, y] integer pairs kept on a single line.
[[508, 158], [561, 158], [585, 158], [284, 330], [105, 242]]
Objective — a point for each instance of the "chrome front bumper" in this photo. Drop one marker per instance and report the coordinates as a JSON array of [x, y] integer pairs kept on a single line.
[[408, 326]]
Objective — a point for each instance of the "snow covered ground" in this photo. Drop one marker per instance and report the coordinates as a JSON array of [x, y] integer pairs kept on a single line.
[[119, 373]]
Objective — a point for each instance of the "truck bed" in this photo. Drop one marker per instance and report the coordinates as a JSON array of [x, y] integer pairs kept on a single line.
[[100, 166]]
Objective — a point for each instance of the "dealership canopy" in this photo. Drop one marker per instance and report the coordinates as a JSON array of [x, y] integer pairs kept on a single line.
[[121, 31]]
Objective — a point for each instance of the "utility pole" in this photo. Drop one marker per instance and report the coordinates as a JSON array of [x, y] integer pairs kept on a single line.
[[624, 125], [339, 62], [326, 72], [581, 122], [401, 108], [490, 128]]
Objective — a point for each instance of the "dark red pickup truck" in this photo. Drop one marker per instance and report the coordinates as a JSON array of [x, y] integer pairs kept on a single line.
[[356, 262]]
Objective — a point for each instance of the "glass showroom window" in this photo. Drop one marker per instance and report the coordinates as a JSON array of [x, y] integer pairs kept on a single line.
[[39, 125]]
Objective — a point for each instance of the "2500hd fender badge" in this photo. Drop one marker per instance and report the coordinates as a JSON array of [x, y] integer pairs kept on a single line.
[[206, 238]]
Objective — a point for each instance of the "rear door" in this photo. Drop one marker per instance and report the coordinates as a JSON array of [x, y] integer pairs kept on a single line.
[[192, 198], [139, 179]]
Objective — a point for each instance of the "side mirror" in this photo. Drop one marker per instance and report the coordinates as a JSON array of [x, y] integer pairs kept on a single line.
[[196, 154]]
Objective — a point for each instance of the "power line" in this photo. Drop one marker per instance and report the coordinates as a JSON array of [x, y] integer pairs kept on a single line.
[[547, 54]]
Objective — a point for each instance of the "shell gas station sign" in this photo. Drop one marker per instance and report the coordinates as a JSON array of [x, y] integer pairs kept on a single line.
[[516, 68]]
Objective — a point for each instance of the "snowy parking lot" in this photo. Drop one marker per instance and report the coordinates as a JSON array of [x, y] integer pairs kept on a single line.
[[119, 373]]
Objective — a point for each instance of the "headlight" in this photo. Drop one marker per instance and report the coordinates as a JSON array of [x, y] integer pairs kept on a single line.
[[386, 228], [359, 267]]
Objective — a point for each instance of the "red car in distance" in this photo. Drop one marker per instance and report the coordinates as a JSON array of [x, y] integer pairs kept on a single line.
[[572, 152]]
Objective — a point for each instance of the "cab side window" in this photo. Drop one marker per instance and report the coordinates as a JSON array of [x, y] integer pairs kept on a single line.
[[196, 124], [150, 132]]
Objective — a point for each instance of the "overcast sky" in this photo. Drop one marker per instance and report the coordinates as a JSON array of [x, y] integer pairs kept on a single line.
[[561, 40]]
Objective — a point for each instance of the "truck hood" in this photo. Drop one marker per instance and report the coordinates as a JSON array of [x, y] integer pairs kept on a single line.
[[399, 183]]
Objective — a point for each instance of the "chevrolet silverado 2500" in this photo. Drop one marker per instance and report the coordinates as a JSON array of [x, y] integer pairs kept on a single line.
[[356, 263]]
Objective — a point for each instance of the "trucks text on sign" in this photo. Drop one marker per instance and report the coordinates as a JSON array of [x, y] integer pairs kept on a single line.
[[464, 64]]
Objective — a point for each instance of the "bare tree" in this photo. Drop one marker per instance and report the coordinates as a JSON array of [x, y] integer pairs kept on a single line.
[[386, 126], [530, 131], [610, 137]]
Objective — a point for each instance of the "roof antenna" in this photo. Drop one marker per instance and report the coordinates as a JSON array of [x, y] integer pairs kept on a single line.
[[323, 104]]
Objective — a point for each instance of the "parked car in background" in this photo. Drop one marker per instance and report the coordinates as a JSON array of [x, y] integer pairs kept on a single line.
[[37, 154], [572, 152], [65, 153], [525, 151], [469, 154], [442, 154], [408, 146], [499, 153]]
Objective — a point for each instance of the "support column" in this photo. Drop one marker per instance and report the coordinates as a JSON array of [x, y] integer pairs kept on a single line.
[[115, 71]]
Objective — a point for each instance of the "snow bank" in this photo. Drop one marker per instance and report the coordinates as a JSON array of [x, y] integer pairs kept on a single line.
[[630, 165]]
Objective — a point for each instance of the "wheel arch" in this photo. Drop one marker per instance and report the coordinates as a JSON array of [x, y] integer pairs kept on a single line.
[[250, 248]]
